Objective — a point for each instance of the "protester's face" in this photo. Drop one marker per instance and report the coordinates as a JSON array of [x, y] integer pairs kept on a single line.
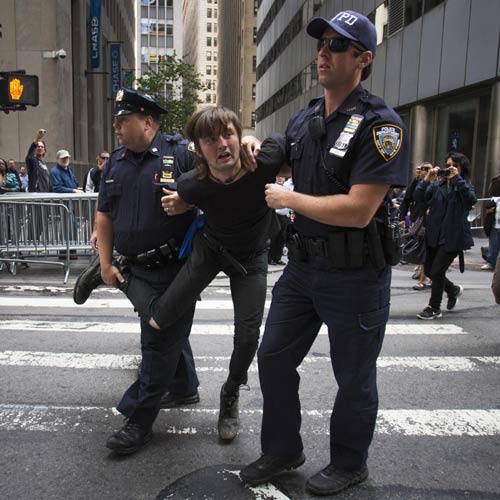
[[12, 165], [40, 150], [23, 170], [337, 69], [222, 153], [63, 162]]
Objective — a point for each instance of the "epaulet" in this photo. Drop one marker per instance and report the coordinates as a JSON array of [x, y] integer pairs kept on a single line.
[[177, 138], [315, 101]]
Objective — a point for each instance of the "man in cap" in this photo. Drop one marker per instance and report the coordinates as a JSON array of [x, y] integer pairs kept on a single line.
[[131, 220], [345, 150], [62, 177]]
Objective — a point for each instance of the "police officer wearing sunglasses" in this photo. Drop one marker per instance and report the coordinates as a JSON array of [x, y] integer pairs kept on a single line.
[[345, 150]]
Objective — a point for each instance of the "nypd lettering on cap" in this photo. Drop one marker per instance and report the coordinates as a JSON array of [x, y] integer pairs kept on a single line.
[[388, 139], [346, 17]]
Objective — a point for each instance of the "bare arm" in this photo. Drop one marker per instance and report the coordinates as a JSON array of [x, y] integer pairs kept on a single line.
[[110, 274], [355, 209]]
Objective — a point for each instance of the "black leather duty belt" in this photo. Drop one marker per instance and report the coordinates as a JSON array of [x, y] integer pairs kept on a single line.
[[155, 258]]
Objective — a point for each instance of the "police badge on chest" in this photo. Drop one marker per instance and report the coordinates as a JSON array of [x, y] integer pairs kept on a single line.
[[344, 139]]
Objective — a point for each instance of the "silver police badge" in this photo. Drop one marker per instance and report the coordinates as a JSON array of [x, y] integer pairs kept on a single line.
[[388, 139], [119, 96], [342, 143]]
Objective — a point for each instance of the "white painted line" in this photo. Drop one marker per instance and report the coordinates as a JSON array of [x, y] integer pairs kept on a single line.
[[266, 491], [85, 419], [202, 328], [221, 363], [64, 302]]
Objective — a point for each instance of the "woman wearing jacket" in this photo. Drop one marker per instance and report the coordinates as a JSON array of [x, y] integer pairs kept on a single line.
[[449, 197]]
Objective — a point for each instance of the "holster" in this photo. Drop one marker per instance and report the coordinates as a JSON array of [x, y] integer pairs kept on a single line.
[[155, 258]]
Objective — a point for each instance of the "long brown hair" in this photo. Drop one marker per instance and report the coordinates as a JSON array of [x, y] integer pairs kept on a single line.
[[212, 121]]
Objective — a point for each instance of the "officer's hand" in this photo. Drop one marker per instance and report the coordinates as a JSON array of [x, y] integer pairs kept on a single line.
[[173, 204], [93, 240], [111, 275], [277, 196], [250, 149]]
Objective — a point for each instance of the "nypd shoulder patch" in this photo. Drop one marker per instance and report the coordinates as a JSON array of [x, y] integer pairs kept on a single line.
[[388, 139]]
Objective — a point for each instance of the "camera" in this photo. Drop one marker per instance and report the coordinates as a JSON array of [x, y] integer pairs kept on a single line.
[[61, 53], [425, 168], [444, 172]]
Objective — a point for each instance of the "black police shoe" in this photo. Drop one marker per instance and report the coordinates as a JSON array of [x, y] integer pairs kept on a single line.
[[229, 422], [171, 400], [453, 297], [267, 466], [130, 438], [88, 280], [331, 480]]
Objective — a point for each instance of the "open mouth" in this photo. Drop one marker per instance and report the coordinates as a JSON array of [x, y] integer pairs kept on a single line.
[[224, 156]]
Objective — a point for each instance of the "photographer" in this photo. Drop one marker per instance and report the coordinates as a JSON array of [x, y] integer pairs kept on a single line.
[[449, 197]]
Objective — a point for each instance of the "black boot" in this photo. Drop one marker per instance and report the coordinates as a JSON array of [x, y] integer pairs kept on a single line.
[[229, 421], [130, 438], [88, 280]]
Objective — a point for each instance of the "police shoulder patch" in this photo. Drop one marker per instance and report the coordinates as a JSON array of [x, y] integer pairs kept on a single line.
[[388, 139]]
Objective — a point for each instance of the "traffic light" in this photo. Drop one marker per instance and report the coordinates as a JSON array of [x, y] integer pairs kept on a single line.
[[18, 90]]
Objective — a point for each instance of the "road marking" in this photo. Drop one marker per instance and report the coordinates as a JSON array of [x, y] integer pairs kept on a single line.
[[86, 419], [221, 363], [204, 328], [266, 491]]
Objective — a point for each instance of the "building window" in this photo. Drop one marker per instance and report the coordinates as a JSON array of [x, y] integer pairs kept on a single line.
[[209, 41], [255, 6], [209, 55], [209, 13], [209, 27], [208, 98], [215, 70], [215, 42], [208, 70], [254, 63], [255, 35], [253, 91], [253, 119]]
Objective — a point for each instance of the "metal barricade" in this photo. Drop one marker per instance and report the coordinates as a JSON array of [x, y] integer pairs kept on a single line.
[[35, 227]]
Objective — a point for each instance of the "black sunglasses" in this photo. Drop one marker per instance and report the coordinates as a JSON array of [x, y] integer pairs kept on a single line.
[[338, 44]]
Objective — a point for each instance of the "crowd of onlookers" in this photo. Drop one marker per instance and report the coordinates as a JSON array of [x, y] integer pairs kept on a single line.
[[35, 176]]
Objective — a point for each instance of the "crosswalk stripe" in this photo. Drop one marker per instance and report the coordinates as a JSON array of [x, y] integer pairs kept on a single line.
[[85, 419], [64, 302], [220, 363], [205, 328]]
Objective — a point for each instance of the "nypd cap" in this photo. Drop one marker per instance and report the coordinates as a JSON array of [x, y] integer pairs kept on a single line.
[[129, 101], [349, 24]]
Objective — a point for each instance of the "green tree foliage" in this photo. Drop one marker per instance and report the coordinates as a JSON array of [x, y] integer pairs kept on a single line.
[[176, 86]]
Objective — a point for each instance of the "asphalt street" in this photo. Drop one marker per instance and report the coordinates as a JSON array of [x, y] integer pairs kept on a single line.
[[64, 367]]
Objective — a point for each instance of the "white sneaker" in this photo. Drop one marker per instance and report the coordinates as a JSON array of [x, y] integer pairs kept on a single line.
[[487, 267]]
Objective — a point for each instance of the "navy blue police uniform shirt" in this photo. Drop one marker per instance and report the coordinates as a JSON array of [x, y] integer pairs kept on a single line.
[[128, 193], [366, 142]]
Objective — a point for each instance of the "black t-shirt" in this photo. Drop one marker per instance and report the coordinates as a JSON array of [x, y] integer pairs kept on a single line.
[[236, 214]]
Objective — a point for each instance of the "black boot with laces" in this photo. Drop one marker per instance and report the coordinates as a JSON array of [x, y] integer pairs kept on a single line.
[[229, 421]]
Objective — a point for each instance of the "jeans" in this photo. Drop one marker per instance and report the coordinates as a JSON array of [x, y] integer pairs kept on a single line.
[[494, 246], [248, 293], [437, 261]]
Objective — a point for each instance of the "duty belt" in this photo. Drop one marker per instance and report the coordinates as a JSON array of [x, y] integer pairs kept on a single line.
[[155, 258]]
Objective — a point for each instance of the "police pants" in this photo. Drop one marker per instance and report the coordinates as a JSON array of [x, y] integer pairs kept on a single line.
[[354, 305], [248, 293], [167, 359]]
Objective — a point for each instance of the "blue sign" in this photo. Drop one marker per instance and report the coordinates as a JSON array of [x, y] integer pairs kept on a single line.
[[115, 72], [95, 33]]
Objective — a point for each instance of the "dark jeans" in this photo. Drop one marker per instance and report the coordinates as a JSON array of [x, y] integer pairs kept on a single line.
[[167, 362], [248, 293], [437, 261], [354, 305]]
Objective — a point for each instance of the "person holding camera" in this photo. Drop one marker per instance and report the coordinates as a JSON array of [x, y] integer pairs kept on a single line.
[[449, 197], [38, 172]]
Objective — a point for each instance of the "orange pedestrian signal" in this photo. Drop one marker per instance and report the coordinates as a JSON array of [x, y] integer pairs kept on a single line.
[[18, 90]]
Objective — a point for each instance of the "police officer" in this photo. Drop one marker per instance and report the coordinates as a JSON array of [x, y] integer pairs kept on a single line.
[[345, 150], [131, 220]]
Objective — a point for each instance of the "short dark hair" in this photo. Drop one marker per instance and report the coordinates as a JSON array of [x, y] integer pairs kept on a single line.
[[211, 121], [462, 160]]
